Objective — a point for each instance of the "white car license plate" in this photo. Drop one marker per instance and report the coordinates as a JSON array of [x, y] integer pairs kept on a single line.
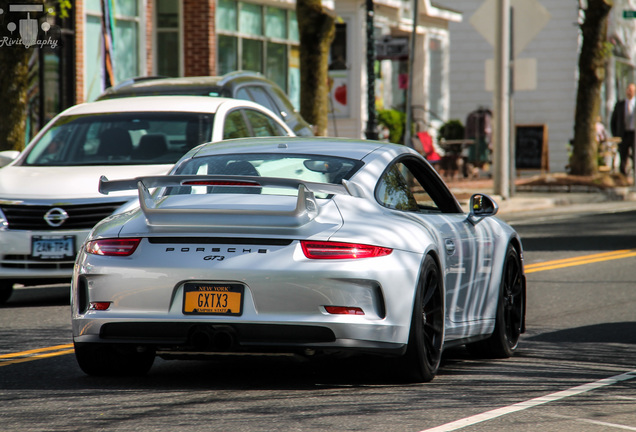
[[53, 247]]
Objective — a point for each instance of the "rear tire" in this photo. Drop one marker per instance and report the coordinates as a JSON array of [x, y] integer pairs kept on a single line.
[[98, 359], [424, 351], [510, 313], [6, 289]]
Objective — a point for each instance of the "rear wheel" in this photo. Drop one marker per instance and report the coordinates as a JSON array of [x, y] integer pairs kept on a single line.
[[424, 351], [510, 309], [6, 288], [114, 360]]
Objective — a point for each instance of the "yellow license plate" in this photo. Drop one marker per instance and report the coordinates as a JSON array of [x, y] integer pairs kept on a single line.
[[213, 299]]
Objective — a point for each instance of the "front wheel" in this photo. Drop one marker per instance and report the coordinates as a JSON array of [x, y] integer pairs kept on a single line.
[[510, 312], [424, 351], [98, 359]]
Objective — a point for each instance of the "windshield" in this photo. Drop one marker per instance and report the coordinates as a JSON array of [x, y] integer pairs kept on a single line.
[[310, 168], [120, 139]]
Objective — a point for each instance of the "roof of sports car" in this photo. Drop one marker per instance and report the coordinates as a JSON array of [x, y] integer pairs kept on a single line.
[[342, 147]]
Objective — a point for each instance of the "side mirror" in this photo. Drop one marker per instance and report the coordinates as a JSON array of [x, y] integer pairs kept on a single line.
[[481, 206], [7, 156]]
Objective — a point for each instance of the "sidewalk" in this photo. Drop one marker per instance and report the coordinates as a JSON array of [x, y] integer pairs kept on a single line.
[[538, 194]]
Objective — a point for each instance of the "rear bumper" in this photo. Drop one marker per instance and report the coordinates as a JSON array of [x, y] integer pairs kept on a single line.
[[191, 337]]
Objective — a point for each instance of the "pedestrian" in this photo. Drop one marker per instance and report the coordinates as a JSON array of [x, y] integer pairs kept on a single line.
[[622, 125]]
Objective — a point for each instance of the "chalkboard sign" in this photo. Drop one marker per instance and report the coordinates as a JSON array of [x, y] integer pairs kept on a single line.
[[531, 147]]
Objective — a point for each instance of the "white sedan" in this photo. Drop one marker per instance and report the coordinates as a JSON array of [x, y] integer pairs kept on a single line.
[[298, 245], [48, 194]]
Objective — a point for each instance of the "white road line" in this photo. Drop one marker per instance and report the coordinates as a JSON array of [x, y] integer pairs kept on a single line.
[[596, 422], [489, 415]]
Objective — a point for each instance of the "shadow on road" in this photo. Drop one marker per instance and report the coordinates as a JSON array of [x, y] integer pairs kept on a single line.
[[37, 296], [598, 232], [622, 332], [561, 357]]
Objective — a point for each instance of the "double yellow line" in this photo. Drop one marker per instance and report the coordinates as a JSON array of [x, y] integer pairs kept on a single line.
[[581, 260], [35, 354]]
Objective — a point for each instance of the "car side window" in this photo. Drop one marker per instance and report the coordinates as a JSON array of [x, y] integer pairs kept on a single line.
[[281, 100], [262, 125], [400, 189], [260, 96], [235, 126]]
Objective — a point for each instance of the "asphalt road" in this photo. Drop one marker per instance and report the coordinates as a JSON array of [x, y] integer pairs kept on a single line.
[[575, 369]]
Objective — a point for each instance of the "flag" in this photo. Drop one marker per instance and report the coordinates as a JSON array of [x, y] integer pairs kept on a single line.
[[108, 24]]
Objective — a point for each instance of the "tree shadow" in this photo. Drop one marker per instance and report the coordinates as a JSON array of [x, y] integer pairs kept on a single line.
[[583, 233]]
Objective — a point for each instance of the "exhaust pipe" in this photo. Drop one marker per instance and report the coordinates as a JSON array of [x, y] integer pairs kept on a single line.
[[209, 338]]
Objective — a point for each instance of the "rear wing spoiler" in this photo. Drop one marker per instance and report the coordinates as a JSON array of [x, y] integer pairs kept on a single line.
[[305, 210]]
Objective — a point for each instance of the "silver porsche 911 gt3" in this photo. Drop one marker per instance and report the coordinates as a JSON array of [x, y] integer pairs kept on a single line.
[[297, 245]]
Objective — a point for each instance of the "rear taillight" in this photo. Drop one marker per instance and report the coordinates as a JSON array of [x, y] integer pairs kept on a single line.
[[112, 247], [336, 250]]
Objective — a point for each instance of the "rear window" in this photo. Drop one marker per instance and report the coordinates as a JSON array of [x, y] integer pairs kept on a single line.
[[120, 139], [310, 168]]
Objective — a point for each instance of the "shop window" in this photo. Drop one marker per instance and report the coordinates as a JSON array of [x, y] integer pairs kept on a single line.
[[226, 14], [125, 36], [275, 23], [338, 74], [251, 19], [126, 55], [277, 64], [168, 48], [252, 58], [338, 51], [228, 54], [51, 74], [293, 26], [259, 38]]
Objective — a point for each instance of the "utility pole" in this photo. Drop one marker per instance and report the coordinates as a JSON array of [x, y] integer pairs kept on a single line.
[[372, 127], [501, 156], [409, 91]]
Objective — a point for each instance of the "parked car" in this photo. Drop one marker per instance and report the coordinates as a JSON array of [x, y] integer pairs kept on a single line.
[[48, 194], [298, 245], [243, 85]]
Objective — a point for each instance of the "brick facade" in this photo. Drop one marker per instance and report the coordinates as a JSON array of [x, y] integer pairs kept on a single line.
[[150, 22], [199, 37], [78, 10], [199, 41]]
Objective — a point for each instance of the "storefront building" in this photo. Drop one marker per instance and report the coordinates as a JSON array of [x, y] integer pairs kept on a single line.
[[393, 22], [111, 41]]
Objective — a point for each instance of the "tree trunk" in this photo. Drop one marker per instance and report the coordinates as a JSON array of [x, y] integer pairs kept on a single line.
[[13, 93], [316, 26], [592, 63]]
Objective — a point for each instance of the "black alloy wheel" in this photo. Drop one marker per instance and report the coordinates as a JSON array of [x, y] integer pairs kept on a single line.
[[424, 351]]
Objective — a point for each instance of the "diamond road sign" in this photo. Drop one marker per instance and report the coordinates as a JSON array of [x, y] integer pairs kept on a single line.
[[529, 19]]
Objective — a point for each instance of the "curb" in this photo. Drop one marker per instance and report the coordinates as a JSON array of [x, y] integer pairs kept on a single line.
[[541, 198]]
